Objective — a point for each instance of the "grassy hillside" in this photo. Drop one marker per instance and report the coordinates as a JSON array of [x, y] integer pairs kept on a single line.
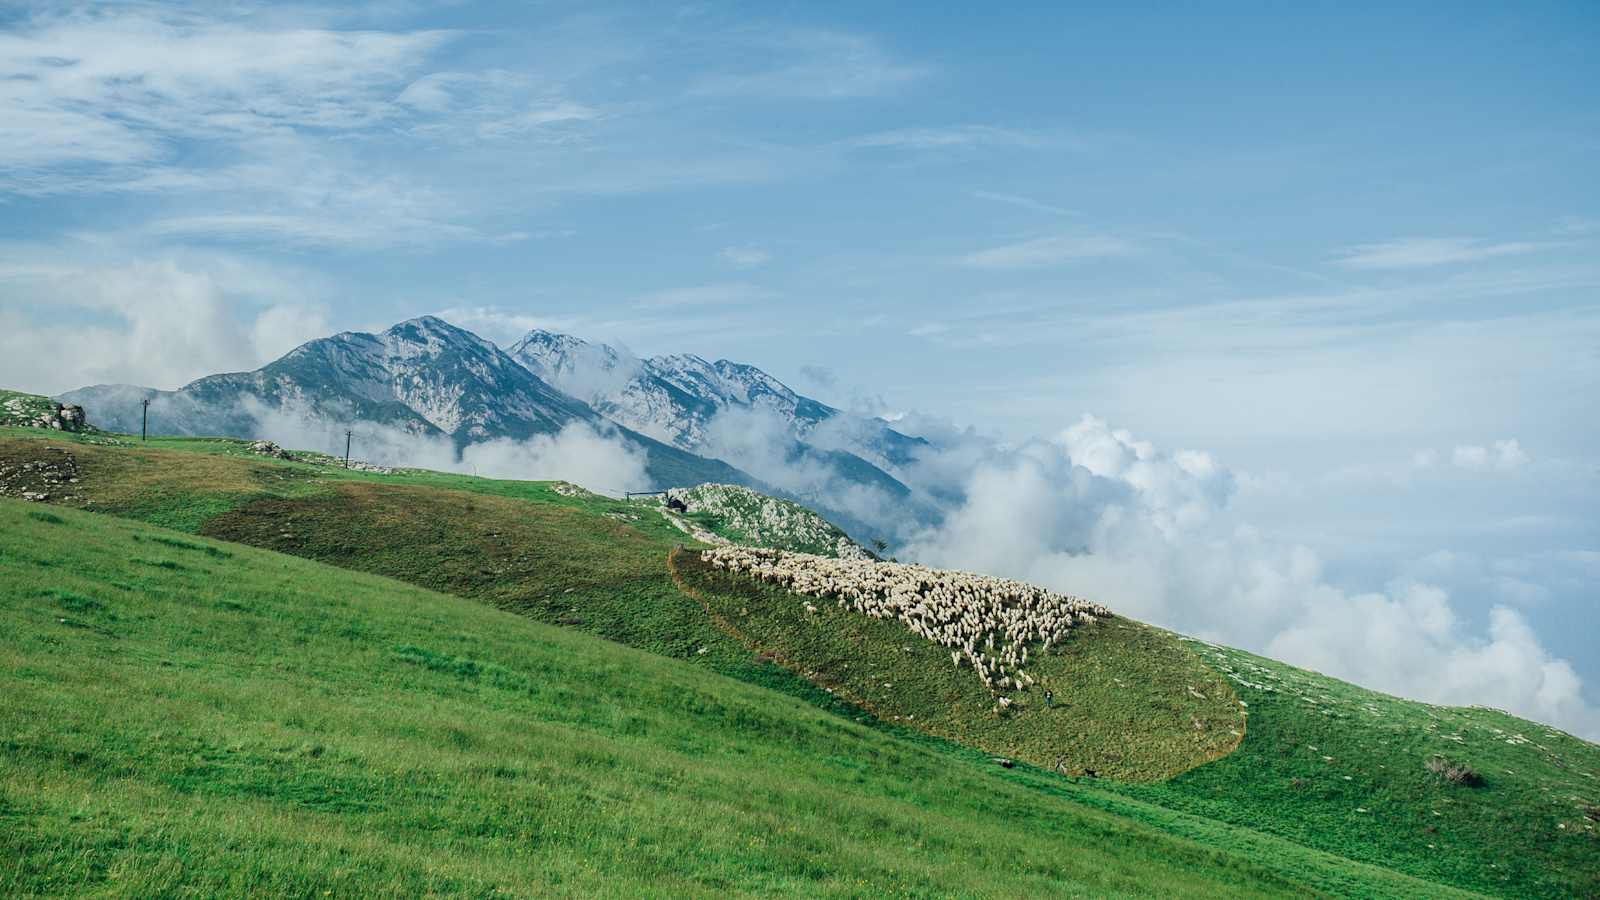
[[1129, 702], [579, 560], [599, 565], [183, 716], [1338, 767], [1322, 762]]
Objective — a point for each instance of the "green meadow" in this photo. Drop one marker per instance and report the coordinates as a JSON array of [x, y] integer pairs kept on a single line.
[[246, 675]]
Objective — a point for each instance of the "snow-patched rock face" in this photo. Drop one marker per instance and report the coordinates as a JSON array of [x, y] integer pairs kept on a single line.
[[674, 398], [461, 383], [423, 375]]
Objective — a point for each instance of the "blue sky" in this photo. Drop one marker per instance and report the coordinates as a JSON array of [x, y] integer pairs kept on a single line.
[[1343, 249]]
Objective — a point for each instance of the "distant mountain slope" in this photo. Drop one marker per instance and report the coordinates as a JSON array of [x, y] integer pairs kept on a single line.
[[675, 398], [423, 376]]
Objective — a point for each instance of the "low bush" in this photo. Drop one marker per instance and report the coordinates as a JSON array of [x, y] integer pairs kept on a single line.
[[1454, 772]]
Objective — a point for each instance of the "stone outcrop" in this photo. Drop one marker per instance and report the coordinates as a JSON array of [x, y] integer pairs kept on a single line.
[[268, 448], [37, 412]]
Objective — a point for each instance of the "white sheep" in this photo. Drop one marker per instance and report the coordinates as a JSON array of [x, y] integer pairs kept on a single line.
[[957, 610]]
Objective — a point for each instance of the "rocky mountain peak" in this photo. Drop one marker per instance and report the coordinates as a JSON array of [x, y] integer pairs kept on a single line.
[[433, 335]]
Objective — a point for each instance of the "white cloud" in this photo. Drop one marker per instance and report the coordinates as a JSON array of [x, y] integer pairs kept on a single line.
[[745, 257], [261, 133], [821, 376], [1499, 456], [503, 326], [309, 230], [1024, 203], [1421, 252], [578, 453], [487, 105], [112, 87], [810, 64], [727, 294], [947, 137], [549, 112], [1097, 513], [758, 441], [157, 323], [1048, 251]]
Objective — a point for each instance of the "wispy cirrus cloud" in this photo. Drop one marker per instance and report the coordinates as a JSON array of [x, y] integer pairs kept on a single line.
[[1423, 252], [1049, 251], [115, 88], [490, 105], [297, 193], [321, 230], [1025, 203], [726, 294], [251, 131], [934, 138], [745, 257], [810, 64]]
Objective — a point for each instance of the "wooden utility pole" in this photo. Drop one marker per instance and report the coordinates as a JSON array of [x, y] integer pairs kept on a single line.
[[144, 424], [347, 433]]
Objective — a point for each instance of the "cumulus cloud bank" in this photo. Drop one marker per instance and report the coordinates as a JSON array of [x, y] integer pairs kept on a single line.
[[578, 453], [759, 442], [1501, 455], [162, 322], [1096, 512]]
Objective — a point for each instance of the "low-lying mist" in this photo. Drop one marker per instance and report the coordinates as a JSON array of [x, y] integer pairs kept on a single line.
[[578, 453]]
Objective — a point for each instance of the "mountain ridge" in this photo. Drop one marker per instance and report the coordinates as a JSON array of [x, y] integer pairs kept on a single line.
[[676, 396], [423, 376], [695, 420]]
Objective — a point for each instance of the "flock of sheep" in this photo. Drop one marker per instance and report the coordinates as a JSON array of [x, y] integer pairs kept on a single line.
[[988, 622]]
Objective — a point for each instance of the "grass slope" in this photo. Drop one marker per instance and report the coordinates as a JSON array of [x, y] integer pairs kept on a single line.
[[1130, 702], [1342, 768], [1323, 762], [528, 547], [183, 716]]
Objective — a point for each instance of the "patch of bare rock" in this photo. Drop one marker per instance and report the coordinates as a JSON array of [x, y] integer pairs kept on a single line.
[[53, 478]]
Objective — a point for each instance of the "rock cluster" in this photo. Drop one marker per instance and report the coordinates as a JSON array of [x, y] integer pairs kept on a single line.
[[52, 478], [35, 414], [568, 489], [359, 466], [758, 520], [268, 448], [989, 623]]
